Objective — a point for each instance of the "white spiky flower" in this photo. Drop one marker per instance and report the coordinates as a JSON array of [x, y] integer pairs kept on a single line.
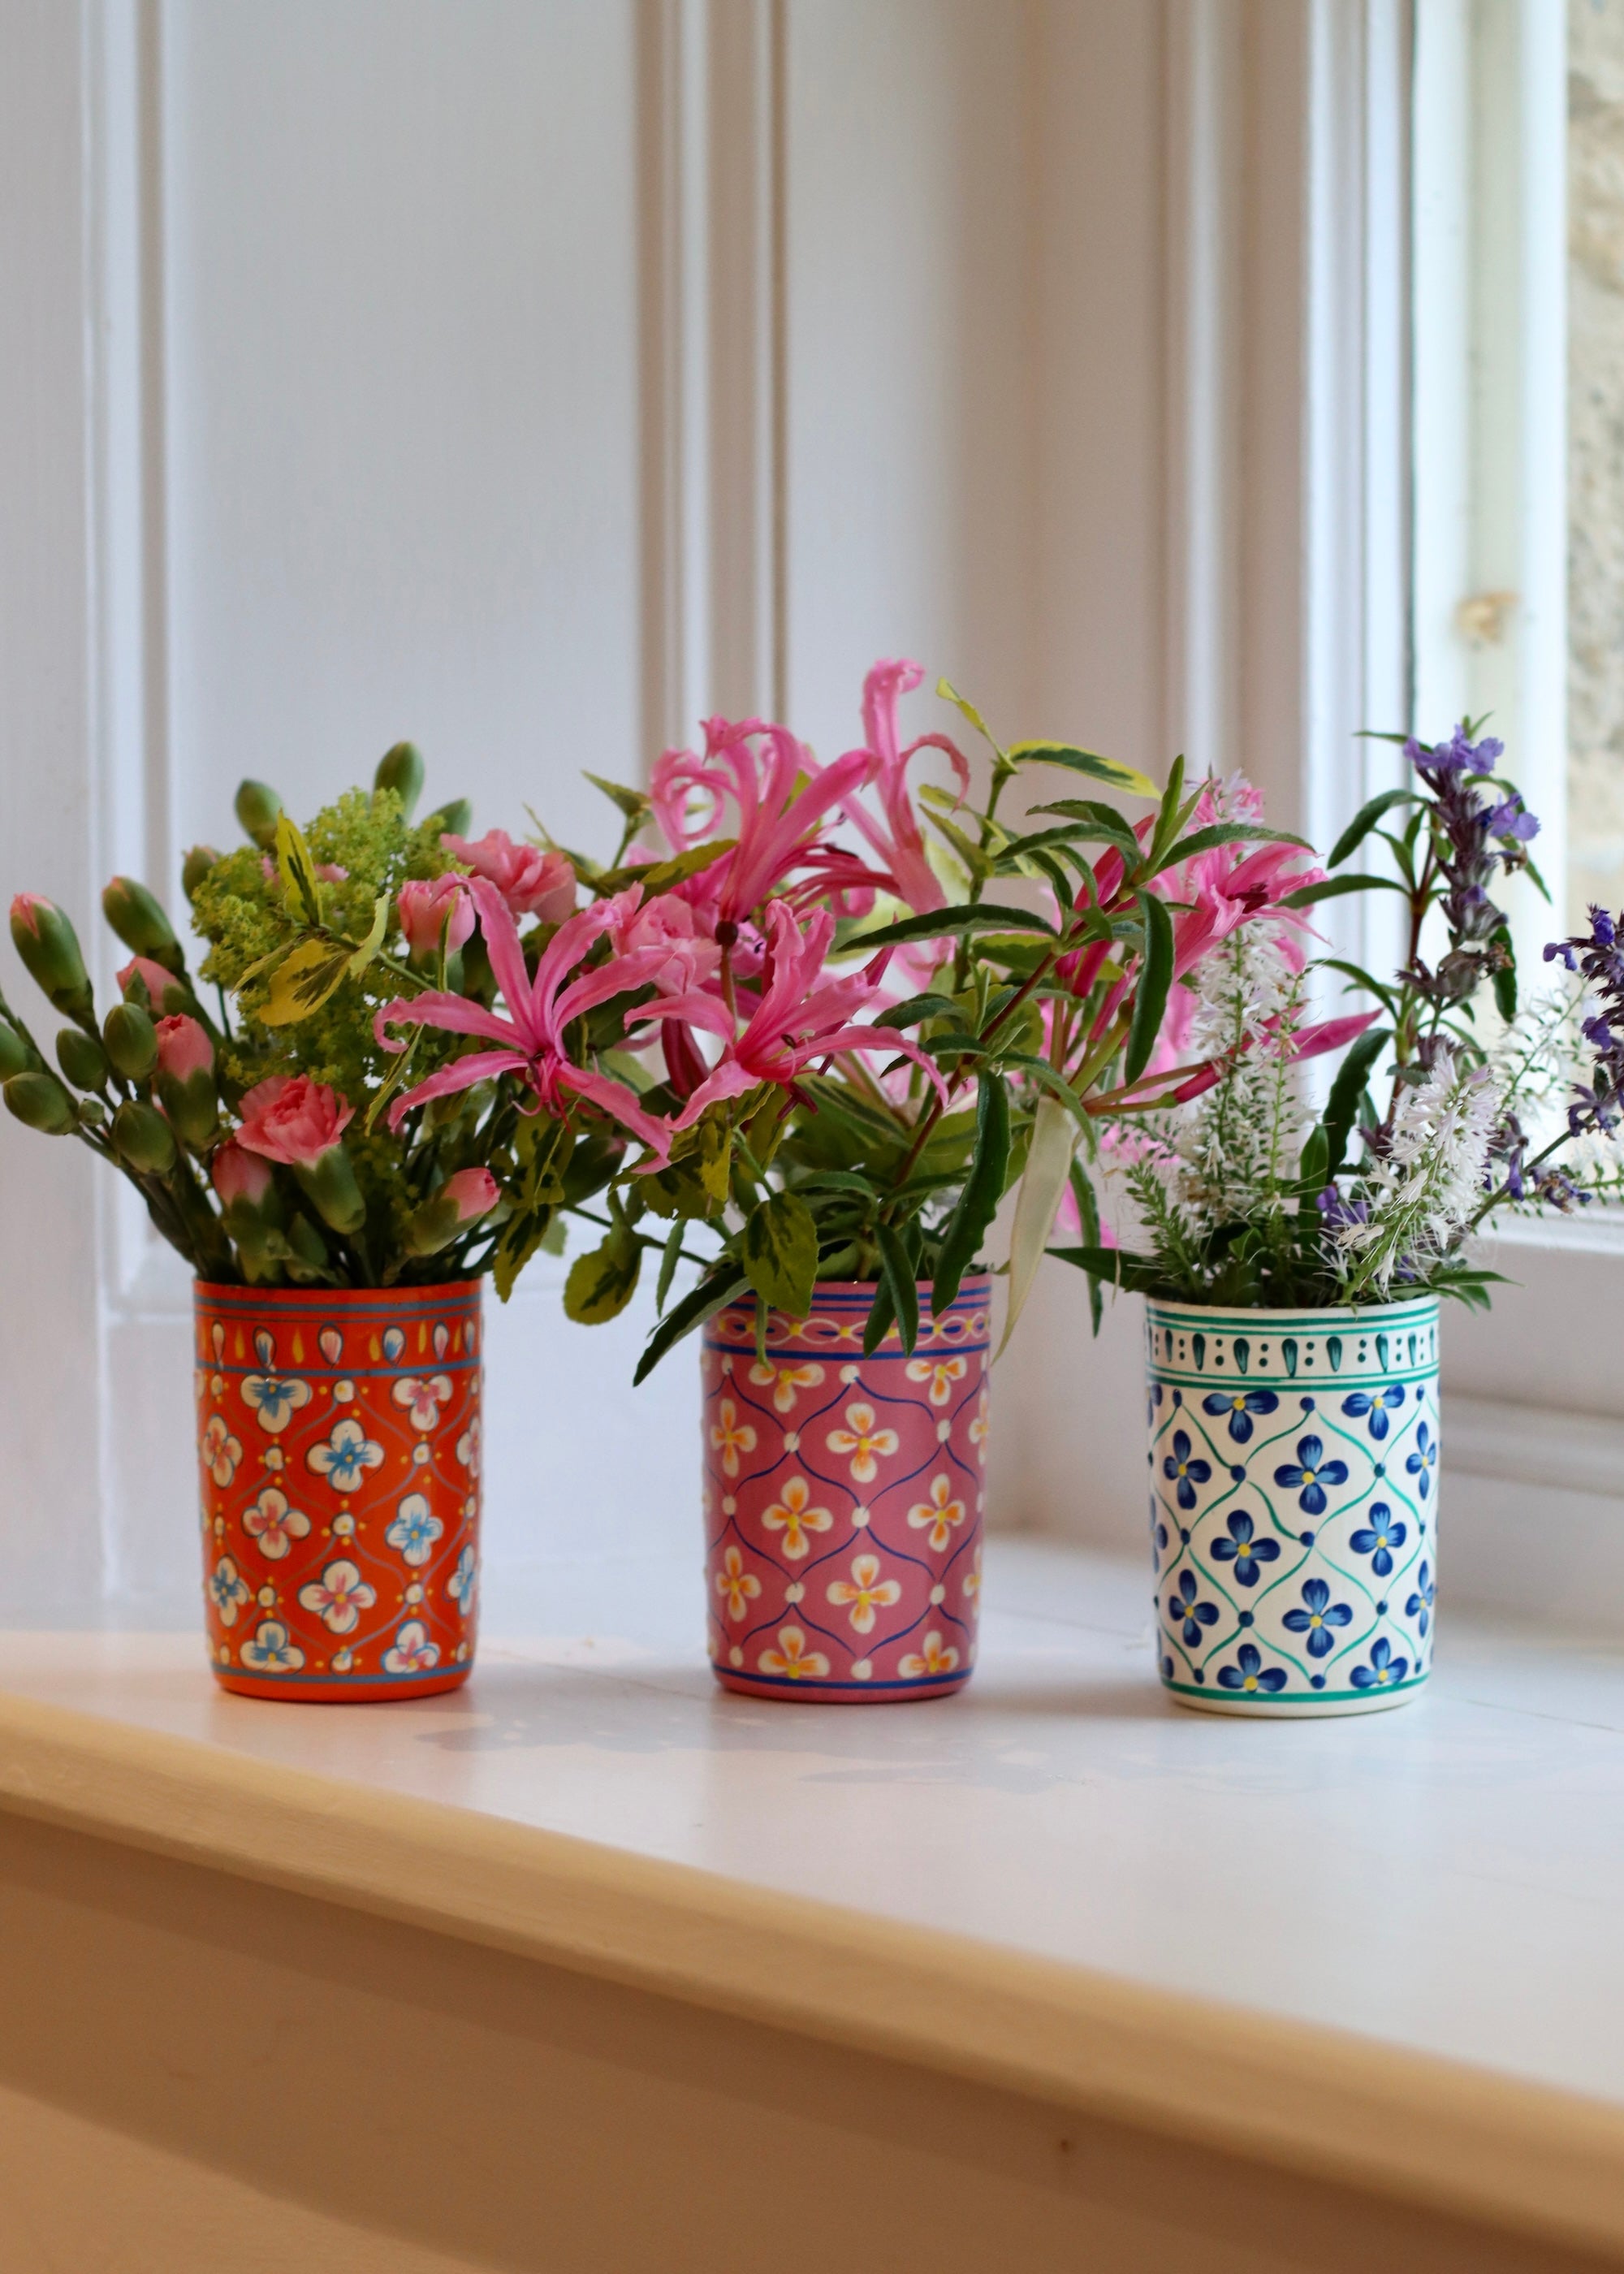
[[1424, 1190]]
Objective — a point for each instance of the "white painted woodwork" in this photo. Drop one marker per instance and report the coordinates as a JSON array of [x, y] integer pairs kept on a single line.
[[1052, 1965], [532, 378]]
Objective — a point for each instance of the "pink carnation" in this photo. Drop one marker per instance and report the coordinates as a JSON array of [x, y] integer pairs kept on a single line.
[[239, 1176], [423, 909], [184, 1047], [292, 1120], [152, 976], [533, 881], [474, 1192]]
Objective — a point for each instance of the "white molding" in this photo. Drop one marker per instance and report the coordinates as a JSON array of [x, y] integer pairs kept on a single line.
[[1534, 1446], [713, 222]]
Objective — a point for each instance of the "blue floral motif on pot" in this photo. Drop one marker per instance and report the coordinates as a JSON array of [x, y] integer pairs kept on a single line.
[[1318, 1617], [1419, 1606], [1380, 1538], [1249, 1672], [1242, 1551], [1294, 1457], [1240, 1406], [1421, 1463], [1309, 1474], [1184, 1469], [1182, 1604], [1374, 1407]]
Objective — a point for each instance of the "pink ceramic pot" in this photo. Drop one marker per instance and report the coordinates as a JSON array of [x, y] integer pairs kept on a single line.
[[843, 1499]]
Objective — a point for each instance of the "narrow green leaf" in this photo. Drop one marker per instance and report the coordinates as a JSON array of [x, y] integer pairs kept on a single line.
[[633, 803], [1365, 820], [779, 1253], [1155, 978], [1167, 818], [668, 1263], [1333, 888], [969, 916], [1342, 1105], [882, 1316], [983, 1189], [719, 1287], [1088, 1217], [950, 694], [916, 1008], [1112, 772], [898, 1271], [1225, 832]]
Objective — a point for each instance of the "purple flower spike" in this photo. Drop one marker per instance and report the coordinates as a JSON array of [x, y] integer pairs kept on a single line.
[[1511, 818]]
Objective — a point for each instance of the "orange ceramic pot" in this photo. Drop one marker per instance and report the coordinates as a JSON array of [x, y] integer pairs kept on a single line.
[[338, 1448]]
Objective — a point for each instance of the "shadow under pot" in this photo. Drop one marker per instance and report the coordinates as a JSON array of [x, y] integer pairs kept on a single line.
[[844, 1499], [1293, 1477], [338, 1448]]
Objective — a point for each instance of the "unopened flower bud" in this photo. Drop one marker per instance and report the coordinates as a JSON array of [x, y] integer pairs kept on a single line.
[[241, 1177], [306, 1242], [144, 1139], [186, 1078], [401, 770], [130, 1040], [140, 923], [50, 949], [81, 1058], [330, 1184], [259, 809], [453, 819], [39, 1100], [151, 987], [195, 867], [15, 1055], [461, 1200]]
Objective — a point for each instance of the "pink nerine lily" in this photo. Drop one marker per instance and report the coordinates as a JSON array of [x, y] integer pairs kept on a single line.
[[903, 849], [798, 1017], [529, 1042], [777, 830]]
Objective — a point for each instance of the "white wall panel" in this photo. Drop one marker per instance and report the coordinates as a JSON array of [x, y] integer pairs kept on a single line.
[[402, 439]]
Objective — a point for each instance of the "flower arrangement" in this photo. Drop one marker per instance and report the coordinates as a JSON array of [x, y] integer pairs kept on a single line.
[[1238, 1194], [818, 1034]]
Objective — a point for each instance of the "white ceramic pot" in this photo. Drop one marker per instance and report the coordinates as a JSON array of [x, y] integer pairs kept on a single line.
[[1294, 1479]]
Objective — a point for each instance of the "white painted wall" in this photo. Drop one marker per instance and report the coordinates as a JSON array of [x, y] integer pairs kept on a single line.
[[529, 377]]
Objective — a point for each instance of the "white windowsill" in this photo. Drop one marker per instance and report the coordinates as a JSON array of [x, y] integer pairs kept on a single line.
[[1382, 1948]]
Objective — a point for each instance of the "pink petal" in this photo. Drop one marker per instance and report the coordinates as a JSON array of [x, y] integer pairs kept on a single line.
[[461, 1073]]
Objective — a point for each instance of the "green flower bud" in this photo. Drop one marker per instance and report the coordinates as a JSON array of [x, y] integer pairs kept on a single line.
[[259, 809], [130, 1040], [450, 820], [144, 1139], [330, 1184], [402, 770], [81, 1058], [15, 1055], [195, 867], [39, 1101], [306, 1242], [190, 1104], [140, 923], [50, 949], [92, 1112], [41, 1104]]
